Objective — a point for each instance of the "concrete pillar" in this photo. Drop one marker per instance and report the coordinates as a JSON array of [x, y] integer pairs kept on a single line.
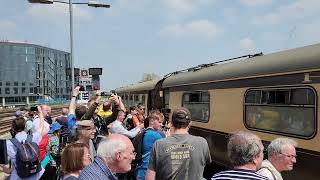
[[3, 101], [28, 103]]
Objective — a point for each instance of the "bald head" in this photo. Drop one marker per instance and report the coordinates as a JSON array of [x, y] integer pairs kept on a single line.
[[117, 152], [46, 110], [112, 144]]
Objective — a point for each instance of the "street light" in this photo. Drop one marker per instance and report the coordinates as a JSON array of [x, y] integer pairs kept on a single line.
[[91, 4]]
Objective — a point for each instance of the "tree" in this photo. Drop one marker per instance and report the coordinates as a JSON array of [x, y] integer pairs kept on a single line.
[[149, 77]]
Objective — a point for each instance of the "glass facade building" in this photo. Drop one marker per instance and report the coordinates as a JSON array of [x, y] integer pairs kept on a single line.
[[29, 72]]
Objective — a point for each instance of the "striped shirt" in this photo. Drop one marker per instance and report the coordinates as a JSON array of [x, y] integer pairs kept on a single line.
[[97, 170], [238, 174]]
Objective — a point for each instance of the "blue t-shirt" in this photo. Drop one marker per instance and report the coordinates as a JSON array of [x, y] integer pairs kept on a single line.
[[149, 138], [71, 122]]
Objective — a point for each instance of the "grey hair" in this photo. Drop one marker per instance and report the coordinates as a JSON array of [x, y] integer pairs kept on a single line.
[[108, 148], [276, 146], [243, 148]]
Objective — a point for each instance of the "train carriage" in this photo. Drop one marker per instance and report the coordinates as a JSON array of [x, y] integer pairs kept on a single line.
[[137, 93], [271, 95]]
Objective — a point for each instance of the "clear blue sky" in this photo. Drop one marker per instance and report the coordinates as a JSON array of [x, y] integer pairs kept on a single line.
[[160, 36]]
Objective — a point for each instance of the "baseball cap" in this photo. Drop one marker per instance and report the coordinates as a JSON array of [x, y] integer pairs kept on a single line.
[[181, 115], [85, 123], [54, 127], [18, 113]]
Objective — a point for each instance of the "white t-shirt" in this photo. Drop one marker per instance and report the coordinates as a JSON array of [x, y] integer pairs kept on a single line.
[[36, 126]]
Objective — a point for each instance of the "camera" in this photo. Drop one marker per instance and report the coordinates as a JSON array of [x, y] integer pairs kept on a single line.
[[106, 93], [81, 88], [33, 108]]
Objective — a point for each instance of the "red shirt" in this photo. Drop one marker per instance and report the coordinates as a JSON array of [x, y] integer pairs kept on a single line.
[[43, 146]]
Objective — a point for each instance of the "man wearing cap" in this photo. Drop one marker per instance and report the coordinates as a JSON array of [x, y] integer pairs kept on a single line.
[[181, 155], [86, 131]]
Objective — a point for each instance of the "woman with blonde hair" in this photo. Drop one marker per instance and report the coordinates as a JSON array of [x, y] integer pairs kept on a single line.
[[74, 158]]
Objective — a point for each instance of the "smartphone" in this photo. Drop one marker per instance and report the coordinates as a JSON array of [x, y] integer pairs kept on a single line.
[[3, 151], [106, 94]]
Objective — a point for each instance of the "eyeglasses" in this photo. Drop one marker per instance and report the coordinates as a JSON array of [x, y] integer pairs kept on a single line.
[[132, 154], [290, 156]]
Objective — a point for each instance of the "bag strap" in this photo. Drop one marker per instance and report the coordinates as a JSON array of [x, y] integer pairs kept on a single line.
[[29, 138], [273, 176], [15, 142]]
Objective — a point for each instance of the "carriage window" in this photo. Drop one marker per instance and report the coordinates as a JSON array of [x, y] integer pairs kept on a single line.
[[198, 104], [166, 98], [136, 98], [290, 111], [143, 99]]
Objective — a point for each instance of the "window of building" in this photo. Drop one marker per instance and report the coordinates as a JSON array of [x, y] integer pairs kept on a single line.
[[16, 84], [31, 90], [290, 111], [0, 91], [15, 90], [0, 83], [23, 84], [198, 103], [23, 90], [7, 90], [7, 83]]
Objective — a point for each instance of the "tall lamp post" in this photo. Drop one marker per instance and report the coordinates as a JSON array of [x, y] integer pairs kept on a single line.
[[91, 4]]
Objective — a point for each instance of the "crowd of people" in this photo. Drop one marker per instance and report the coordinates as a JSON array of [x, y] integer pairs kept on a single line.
[[102, 140]]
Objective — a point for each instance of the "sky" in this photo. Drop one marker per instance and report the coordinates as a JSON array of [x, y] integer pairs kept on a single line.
[[134, 37]]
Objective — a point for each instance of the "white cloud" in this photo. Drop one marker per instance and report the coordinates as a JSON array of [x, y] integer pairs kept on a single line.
[[185, 6], [6, 25], [256, 2], [247, 44], [296, 10], [271, 18], [58, 13], [200, 28]]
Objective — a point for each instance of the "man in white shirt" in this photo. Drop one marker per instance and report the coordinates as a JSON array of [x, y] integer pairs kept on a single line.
[[281, 157], [40, 125], [118, 128]]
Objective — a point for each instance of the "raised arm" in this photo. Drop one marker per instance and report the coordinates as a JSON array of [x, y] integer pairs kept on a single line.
[[72, 105], [93, 106]]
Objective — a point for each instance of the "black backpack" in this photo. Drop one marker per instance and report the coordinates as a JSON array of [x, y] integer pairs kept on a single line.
[[138, 145], [27, 157]]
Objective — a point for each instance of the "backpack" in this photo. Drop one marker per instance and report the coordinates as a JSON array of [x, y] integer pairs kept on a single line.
[[138, 145], [27, 157]]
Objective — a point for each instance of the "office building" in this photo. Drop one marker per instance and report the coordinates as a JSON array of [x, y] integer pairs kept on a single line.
[[29, 72]]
